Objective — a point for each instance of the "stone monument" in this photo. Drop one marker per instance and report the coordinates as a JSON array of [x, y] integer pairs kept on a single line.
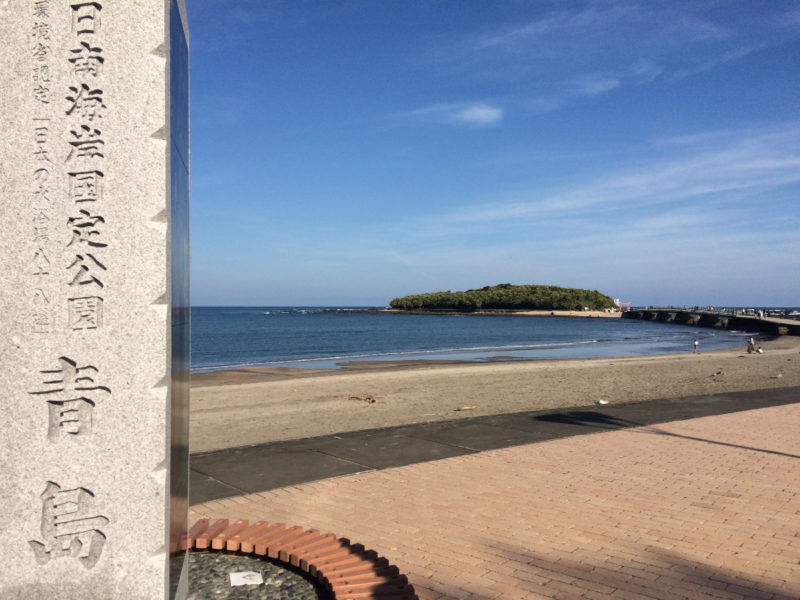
[[94, 335]]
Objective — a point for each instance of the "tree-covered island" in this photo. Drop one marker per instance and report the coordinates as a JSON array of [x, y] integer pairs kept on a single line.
[[507, 297]]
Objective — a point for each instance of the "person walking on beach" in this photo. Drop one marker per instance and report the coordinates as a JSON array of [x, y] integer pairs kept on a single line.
[[751, 345], [696, 345]]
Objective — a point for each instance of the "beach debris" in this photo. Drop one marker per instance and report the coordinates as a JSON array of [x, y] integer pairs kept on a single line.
[[601, 402], [368, 398], [470, 407], [779, 376]]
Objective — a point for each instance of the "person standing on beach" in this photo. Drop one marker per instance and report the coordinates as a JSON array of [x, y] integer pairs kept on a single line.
[[696, 345], [751, 345]]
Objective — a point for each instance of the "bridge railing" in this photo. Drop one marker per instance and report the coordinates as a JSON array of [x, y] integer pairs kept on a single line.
[[731, 312]]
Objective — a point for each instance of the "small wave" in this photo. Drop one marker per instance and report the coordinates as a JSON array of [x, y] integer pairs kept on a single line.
[[396, 354], [300, 311]]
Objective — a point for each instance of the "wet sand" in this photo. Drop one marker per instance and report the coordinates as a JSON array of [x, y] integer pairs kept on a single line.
[[257, 405]]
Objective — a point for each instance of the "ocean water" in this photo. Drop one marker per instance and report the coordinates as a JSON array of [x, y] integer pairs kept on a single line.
[[314, 337]]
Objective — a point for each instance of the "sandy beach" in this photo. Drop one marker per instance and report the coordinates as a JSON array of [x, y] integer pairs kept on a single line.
[[258, 405], [585, 314]]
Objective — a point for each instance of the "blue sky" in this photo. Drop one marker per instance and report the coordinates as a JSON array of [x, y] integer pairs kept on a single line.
[[345, 153]]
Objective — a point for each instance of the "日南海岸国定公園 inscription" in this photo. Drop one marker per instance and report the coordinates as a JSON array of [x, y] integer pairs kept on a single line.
[[94, 330]]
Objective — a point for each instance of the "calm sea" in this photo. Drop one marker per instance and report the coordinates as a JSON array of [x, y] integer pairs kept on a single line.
[[312, 337]]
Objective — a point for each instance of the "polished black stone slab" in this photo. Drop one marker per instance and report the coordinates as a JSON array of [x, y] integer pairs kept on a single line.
[[179, 281]]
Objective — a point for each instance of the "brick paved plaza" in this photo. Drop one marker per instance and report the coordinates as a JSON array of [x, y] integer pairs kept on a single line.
[[702, 508]]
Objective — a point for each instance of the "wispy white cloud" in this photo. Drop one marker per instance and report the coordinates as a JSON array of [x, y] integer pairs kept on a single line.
[[698, 28], [578, 37], [590, 84], [594, 85], [582, 50], [476, 114], [560, 24], [719, 60], [788, 19], [737, 162], [643, 71]]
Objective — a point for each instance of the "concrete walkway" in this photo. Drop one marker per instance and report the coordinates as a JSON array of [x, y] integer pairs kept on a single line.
[[700, 508], [237, 471]]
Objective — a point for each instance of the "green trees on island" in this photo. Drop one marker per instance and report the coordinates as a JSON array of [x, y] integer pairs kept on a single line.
[[507, 297]]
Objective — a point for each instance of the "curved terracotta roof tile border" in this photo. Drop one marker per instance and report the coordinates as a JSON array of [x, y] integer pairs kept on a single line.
[[347, 570]]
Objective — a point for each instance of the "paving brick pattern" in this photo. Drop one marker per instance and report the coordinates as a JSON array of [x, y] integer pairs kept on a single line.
[[703, 508]]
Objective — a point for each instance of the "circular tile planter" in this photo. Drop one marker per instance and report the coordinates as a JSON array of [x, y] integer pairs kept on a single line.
[[346, 570]]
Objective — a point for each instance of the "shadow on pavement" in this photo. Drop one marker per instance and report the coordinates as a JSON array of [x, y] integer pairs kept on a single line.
[[654, 573], [249, 469], [657, 431], [588, 419]]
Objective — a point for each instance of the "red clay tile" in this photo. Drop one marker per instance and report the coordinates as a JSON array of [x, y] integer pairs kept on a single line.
[[326, 554], [248, 544], [218, 541], [317, 545], [301, 560], [235, 542], [204, 539], [338, 554], [286, 548], [368, 578], [368, 572], [287, 542], [338, 562], [265, 541], [187, 540], [370, 586]]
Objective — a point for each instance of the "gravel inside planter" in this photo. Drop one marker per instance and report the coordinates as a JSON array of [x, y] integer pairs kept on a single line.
[[209, 578]]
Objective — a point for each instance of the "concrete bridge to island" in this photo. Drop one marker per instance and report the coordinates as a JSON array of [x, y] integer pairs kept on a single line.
[[720, 318]]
